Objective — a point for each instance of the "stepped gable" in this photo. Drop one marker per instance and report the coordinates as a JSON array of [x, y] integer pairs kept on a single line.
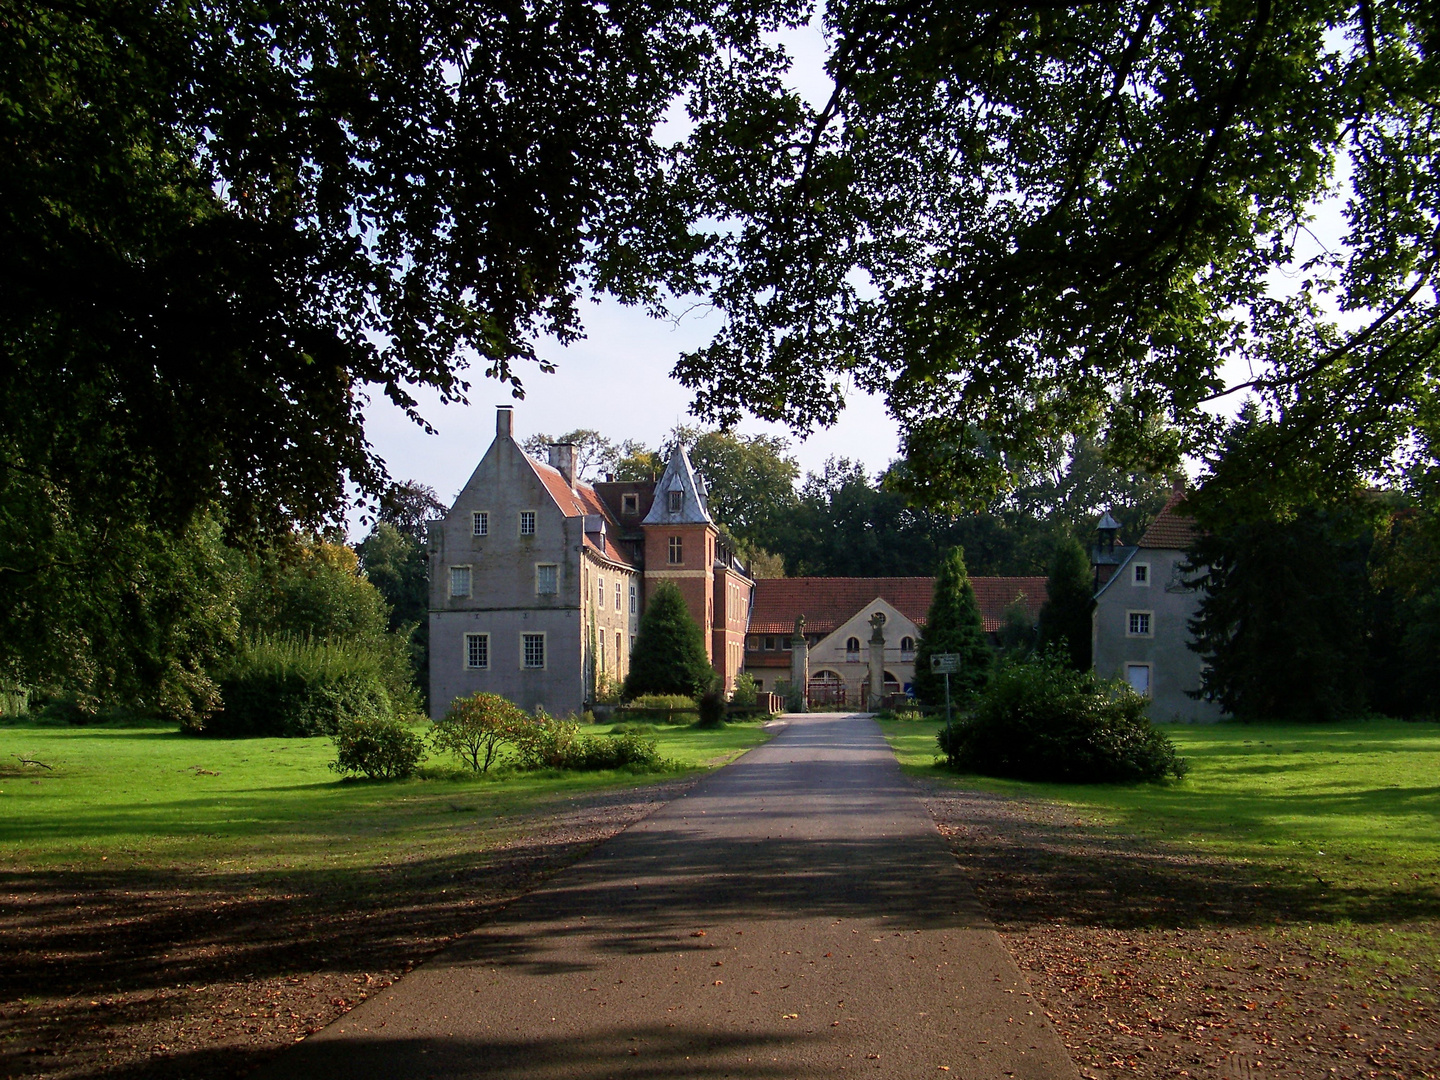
[[1172, 529], [581, 501], [828, 602]]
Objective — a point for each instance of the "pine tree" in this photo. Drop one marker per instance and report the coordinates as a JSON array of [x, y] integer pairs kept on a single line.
[[1065, 617], [669, 653], [952, 626]]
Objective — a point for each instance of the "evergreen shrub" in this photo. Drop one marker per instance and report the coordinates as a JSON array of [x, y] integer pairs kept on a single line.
[[1040, 719], [299, 687], [953, 625], [712, 707], [669, 654], [381, 747]]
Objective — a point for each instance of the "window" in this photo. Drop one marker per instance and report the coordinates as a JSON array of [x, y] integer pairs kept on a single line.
[[480, 523], [770, 645], [907, 648], [629, 504], [1139, 624], [532, 650], [600, 592], [477, 651], [527, 522], [618, 653], [1138, 676], [675, 500], [600, 655], [547, 581], [677, 549], [459, 581], [617, 600], [852, 648], [634, 601], [632, 643], [1141, 574]]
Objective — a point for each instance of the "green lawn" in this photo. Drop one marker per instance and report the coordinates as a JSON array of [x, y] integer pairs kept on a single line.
[[150, 797], [1356, 806]]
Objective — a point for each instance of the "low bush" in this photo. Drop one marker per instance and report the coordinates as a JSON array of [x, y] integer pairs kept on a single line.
[[664, 707], [746, 694], [299, 687], [712, 707], [1039, 719], [629, 728], [546, 742], [381, 747], [475, 727]]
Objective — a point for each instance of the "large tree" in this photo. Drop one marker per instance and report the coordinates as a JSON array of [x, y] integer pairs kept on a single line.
[[1069, 599], [953, 625], [1023, 222]]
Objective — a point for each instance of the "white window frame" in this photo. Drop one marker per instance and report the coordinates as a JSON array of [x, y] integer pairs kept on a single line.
[[544, 651], [600, 651], [619, 597], [480, 523], [474, 636], [469, 581], [1130, 624], [849, 652], [907, 652], [634, 599], [550, 566], [600, 592], [527, 517], [1149, 675], [1135, 568]]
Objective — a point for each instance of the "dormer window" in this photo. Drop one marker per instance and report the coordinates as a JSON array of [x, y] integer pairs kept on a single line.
[[629, 504], [675, 501]]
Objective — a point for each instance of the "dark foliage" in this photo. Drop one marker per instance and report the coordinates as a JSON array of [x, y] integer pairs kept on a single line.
[[1282, 622], [295, 688], [549, 743], [712, 707], [669, 654], [1040, 719], [953, 625], [1065, 616]]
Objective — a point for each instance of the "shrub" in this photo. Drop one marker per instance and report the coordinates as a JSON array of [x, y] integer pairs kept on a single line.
[[745, 695], [712, 707], [669, 653], [1042, 720], [475, 727], [549, 743], [633, 729], [381, 747], [295, 688]]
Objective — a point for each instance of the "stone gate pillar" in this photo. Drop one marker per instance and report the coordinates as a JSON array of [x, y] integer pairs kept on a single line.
[[877, 660], [799, 668]]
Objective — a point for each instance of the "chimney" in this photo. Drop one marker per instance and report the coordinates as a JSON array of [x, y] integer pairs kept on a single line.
[[504, 418], [562, 458]]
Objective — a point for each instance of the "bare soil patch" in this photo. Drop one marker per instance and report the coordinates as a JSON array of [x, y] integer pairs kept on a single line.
[[170, 974], [1154, 961]]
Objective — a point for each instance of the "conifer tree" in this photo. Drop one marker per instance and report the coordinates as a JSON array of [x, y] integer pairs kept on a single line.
[[952, 626], [669, 653], [1065, 616]]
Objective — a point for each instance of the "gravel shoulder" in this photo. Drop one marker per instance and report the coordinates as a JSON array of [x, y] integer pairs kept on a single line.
[[1153, 961]]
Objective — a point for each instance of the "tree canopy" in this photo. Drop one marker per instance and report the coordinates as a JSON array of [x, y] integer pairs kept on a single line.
[[953, 625], [1024, 222]]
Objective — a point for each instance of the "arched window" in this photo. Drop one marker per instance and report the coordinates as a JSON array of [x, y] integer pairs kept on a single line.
[[852, 648], [892, 684], [907, 649], [826, 676]]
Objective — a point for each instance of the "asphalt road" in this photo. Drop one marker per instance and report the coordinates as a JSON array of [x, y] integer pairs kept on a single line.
[[795, 915]]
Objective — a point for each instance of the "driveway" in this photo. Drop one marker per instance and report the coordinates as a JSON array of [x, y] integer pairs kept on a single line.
[[796, 914]]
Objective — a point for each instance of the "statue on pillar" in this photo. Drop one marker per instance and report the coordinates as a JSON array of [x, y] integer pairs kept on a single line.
[[876, 695]]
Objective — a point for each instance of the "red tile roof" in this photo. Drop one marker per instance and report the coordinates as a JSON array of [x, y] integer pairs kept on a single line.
[[579, 502], [828, 602], [1172, 528]]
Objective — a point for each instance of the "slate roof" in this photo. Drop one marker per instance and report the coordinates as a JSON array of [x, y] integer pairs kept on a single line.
[[1172, 528], [679, 475], [580, 502], [828, 602]]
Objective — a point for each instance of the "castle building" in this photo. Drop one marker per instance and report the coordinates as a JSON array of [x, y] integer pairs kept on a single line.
[[538, 579]]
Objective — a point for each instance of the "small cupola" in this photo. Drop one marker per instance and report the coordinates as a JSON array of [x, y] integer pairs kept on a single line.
[[1108, 530]]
